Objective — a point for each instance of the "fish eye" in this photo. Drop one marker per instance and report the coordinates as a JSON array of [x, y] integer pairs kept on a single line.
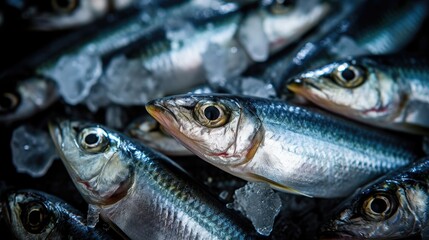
[[8, 102], [93, 140], [34, 217], [278, 7], [64, 6], [349, 76], [379, 206], [211, 114]]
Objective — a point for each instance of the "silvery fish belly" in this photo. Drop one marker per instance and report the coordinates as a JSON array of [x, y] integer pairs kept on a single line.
[[32, 214], [387, 91], [291, 148], [393, 207], [140, 191]]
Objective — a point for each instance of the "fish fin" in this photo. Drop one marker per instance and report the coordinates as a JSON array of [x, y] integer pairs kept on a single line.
[[276, 185]]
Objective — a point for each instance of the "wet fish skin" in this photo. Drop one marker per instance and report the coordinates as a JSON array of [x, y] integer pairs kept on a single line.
[[292, 148], [25, 98], [56, 15], [140, 191], [36, 215], [148, 131], [392, 207], [386, 91], [366, 31]]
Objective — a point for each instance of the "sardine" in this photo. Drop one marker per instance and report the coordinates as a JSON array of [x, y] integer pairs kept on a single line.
[[36, 215], [393, 207], [25, 98], [58, 14], [148, 131], [375, 27], [292, 148], [385, 91], [140, 191]]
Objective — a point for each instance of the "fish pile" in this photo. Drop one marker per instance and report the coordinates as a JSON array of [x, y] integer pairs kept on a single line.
[[197, 119]]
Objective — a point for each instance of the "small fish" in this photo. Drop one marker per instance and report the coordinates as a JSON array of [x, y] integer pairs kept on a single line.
[[393, 207], [25, 98], [36, 215], [60, 14], [292, 148], [137, 189], [365, 30], [385, 91], [148, 131]]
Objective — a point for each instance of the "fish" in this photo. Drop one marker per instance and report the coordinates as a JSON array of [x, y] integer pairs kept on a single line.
[[32, 214], [24, 98], [142, 192], [58, 14], [149, 132], [385, 91], [294, 149], [392, 207], [366, 30], [183, 51]]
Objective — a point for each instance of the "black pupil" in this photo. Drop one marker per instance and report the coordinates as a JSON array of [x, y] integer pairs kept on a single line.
[[378, 205], [91, 139], [211, 113], [348, 74], [64, 3], [34, 218], [6, 102]]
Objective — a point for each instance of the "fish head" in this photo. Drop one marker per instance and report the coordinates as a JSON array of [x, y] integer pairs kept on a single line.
[[94, 159], [26, 98], [354, 88], [386, 210], [299, 16], [218, 128], [30, 215], [57, 14]]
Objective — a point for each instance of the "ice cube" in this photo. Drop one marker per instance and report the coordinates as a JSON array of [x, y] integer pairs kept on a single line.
[[259, 203], [253, 38], [127, 82], [97, 98], [32, 151], [115, 117], [346, 47], [251, 87], [224, 62], [75, 75]]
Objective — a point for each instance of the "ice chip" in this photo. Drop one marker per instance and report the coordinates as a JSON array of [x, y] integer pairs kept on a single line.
[[250, 87], [32, 151], [115, 117], [97, 98], [253, 38], [128, 83], [346, 47], [224, 62], [75, 75], [259, 203]]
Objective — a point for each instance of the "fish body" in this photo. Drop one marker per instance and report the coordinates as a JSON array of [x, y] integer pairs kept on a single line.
[[140, 191], [32, 214], [25, 98], [392, 207], [294, 149], [386, 91], [368, 30]]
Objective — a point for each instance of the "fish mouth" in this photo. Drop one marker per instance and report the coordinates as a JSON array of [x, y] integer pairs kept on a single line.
[[161, 114], [56, 133]]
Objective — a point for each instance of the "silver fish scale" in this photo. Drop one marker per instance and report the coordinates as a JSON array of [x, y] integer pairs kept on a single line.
[[169, 207]]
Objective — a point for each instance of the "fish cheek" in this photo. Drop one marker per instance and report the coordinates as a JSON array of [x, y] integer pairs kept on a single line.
[[115, 180]]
